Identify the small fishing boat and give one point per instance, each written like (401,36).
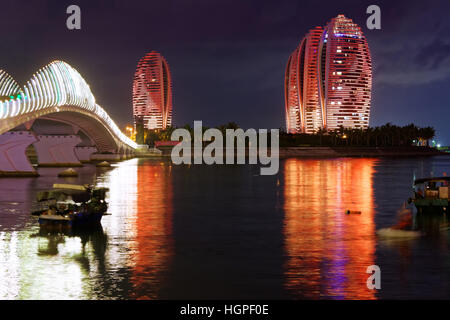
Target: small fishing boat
(70,206)
(431,195)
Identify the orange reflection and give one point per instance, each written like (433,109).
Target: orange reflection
(327,250)
(154,246)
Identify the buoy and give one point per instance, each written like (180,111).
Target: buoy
(68,173)
(104,164)
(352,212)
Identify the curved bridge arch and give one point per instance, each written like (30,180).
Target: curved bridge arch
(59,92)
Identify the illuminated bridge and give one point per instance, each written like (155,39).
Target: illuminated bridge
(57,92)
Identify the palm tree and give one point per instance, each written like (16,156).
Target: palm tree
(368,133)
(321,132)
(427,134)
(166,134)
(377,134)
(411,132)
(232,125)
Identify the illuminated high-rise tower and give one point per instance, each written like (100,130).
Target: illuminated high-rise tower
(301,85)
(152,92)
(345,75)
(328,79)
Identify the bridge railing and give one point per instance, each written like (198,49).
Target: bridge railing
(55,85)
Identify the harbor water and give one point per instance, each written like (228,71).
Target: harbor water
(226,232)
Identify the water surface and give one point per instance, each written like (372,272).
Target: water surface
(213,232)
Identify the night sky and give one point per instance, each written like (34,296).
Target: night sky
(228,57)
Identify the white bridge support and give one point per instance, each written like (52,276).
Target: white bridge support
(84,153)
(13,159)
(57,92)
(57,150)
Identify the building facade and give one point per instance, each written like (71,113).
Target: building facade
(328,79)
(152,92)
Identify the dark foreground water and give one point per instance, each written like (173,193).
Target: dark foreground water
(212,232)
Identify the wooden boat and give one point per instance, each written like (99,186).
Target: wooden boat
(80,219)
(431,195)
(70,206)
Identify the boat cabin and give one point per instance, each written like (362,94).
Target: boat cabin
(432,188)
(431,194)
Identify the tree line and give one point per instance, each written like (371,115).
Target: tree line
(388,135)
(150,136)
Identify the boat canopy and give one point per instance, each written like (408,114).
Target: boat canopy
(70,186)
(64,194)
(434,179)
(78,193)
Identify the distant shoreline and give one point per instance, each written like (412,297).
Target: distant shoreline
(359,152)
(342,151)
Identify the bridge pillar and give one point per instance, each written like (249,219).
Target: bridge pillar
(84,153)
(124,153)
(57,150)
(13,159)
(130,154)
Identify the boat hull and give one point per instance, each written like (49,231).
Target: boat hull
(89,220)
(432,206)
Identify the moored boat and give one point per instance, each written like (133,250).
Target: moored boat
(70,206)
(431,195)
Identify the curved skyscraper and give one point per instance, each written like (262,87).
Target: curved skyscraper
(301,86)
(152,92)
(328,79)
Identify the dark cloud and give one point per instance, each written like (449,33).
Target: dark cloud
(228,57)
(434,56)
(413,46)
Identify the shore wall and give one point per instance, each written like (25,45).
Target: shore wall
(149,153)
(337,152)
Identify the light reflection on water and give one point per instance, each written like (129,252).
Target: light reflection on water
(123,259)
(153,247)
(328,251)
(226,232)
